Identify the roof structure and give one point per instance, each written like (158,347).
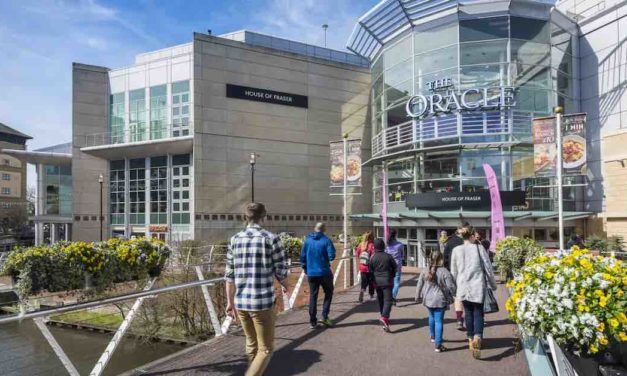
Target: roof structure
(58,155)
(390,18)
(455,214)
(14,132)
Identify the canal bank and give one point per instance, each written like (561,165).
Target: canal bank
(24,351)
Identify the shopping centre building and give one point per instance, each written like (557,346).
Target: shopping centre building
(435,90)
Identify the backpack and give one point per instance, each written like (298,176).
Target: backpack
(364,257)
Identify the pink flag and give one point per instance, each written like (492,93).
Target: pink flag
(498,222)
(384,207)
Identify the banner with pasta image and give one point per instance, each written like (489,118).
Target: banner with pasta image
(574,155)
(353,163)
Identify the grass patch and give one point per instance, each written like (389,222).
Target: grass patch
(100,319)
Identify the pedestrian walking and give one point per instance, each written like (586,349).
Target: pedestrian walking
(383,268)
(315,257)
(436,290)
(471,268)
(396,250)
(363,252)
(452,242)
(253,260)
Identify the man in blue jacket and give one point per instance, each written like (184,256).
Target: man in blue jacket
(316,256)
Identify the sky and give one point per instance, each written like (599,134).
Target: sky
(39,40)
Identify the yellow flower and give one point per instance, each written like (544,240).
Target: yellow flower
(548,275)
(586,264)
(598,293)
(593,349)
(614,323)
(622,317)
(622,336)
(603,341)
(601,327)
(603,301)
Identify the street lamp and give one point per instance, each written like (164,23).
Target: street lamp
(325,27)
(559,110)
(101,181)
(253,160)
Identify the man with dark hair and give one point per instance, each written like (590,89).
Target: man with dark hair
(395,249)
(315,257)
(253,259)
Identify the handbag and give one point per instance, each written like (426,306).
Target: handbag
(490,305)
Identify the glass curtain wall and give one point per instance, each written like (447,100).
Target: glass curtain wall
(158,112)
(180,108)
(159,190)
(58,190)
(137,115)
(181,182)
(117,183)
(116,118)
(533,55)
(137,191)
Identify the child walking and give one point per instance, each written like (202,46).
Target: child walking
(436,289)
(383,267)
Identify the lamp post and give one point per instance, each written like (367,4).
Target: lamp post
(558,110)
(253,161)
(325,27)
(100,218)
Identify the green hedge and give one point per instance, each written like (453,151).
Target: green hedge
(70,265)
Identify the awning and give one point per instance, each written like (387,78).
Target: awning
(469,215)
(35,157)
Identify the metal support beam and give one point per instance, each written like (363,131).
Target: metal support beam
(215,322)
(67,363)
(117,337)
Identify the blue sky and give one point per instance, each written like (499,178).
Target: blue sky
(39,40)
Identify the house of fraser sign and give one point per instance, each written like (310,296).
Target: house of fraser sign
(443,98)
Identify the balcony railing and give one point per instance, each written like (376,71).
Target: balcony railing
(513,126)
(139,133)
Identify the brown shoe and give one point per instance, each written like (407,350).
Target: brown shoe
(470,344)
(476,347)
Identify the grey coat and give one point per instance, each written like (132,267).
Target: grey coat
(430,292)
(468,266)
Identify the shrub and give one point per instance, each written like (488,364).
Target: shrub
(513,252)
(291,245)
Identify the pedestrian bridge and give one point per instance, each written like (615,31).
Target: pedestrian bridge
(357,345)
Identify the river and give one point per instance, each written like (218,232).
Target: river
(25,352)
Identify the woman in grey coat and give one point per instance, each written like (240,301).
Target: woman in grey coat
(471,268)
(436,289)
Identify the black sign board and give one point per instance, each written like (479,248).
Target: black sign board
(268,96)
(434,200)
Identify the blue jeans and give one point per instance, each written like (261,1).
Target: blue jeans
(436,322)
(397,283)
(474,319)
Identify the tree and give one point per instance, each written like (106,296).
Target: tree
(12,218)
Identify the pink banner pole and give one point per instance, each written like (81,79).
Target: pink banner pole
(498,222)
(384,206)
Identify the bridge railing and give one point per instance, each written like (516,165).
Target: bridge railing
(200,261)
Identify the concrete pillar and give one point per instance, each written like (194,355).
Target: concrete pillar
(53,233)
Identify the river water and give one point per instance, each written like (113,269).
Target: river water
(25,352)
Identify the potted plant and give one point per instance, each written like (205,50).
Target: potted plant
(512,253)
(576,298)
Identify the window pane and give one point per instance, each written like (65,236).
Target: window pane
(530,53)
(401,51)
(483,52)
(530,29)
(436,60)
(435,38)
(179,87)
(483,75)
(483,29)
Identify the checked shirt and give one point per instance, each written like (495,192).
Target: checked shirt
(254,258)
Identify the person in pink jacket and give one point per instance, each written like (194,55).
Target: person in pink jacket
(363,253)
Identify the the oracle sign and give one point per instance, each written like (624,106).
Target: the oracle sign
(419,106)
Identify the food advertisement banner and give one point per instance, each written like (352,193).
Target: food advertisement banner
(574,144)
(353,164)
(544,146)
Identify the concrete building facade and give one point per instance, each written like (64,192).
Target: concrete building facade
(173,144)
(12,172)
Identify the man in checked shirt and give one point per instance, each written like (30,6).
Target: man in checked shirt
(253,260)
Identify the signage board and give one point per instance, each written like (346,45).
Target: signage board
(574,154)
(353,165)
(267,96)
(158,228)
(544,146)
(475,200)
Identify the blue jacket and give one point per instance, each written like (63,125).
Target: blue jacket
(316,256)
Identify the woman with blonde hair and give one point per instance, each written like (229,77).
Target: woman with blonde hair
(363,253)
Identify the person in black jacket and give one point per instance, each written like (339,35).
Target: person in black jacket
(383,267)
(452,242)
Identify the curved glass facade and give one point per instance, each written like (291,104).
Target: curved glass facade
(445,152)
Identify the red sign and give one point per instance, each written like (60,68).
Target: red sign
(158,228)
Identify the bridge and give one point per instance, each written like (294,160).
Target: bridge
(357,345)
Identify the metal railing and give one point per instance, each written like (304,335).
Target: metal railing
(139,133)
(205,256)
(515,125)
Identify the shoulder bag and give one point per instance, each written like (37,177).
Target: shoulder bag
(490,305)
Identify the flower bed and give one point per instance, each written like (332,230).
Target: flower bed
(512,253)
(68,266)
(575,297)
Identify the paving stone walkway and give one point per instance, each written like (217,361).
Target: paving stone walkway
(356,345)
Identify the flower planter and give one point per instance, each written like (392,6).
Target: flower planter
(583,365)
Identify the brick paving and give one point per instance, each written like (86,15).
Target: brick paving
(356,345)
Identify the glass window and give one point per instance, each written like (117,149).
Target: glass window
(398,94)
(488,75)
(137,191)
(181,189)
(137,115)
(436,60)
(435,38)
(530,53)
(561,39)
(397,115)
(116,192)
(534,100)
(421,81)
(399,52)
(530,29)
(400,179)
(377,67)
(494,51)
(116,118)
(561,61)
(180,109)
(483,29)
(532,76)
(6,177)
(158,190)
(158,112)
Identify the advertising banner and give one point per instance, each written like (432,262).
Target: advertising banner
(498,222)
(544,146)
(466,200)
(353,165)
(574,144)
